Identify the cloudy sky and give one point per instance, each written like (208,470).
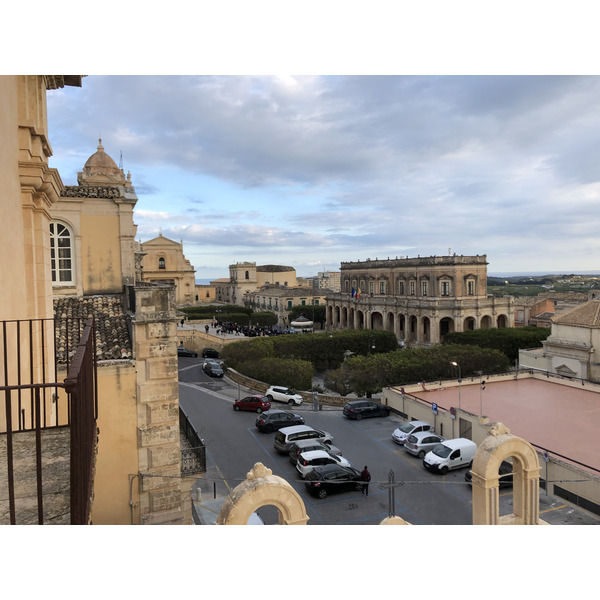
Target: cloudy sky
(313,170)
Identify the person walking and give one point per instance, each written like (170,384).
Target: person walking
(366,477)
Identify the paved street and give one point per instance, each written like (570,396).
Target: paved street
(234,445)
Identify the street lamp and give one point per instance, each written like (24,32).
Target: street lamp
(455,364)
(481,388)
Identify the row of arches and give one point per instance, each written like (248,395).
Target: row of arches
(413,328)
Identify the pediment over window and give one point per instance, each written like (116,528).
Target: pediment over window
(565,371)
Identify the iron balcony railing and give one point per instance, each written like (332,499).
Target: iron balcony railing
(34,400)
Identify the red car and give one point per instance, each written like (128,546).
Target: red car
(254,403)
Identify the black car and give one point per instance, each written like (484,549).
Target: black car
(181,351)
(210,353)
(274,420)
(331,479)
(361,409)
(213,369)
(505,471)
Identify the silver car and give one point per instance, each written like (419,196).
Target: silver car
(399,436)
(422,442)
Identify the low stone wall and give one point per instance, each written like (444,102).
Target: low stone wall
(261,388)
(196,340)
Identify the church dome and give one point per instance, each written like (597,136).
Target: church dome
(101,169)
(100,162)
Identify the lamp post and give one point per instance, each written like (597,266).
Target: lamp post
(455,364)
(481,388)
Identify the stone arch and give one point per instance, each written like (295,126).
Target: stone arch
(262,488)
(486,322)
(498,446)
(469,324)
(376,320)
(502,322)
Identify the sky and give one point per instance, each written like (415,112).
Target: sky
(311,171)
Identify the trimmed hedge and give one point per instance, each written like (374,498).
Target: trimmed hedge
(370,374)
(296,374)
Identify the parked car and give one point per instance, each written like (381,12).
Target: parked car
(422,442)
(505,471)
(181,351)
(307,445)
(360,409)
(210,353)
(256,403)
(401,433)
(213,369)
(276,419)
(283,394)
(307,461)
(450,454)
(331,479)
(288,435)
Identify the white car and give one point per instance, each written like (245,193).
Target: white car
(283,394)
(307,461)
(399,436)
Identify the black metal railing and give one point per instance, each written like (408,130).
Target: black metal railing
(193,459)
(35,401)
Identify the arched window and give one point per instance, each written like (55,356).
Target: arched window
(61,253)
(161,263)
(247,275)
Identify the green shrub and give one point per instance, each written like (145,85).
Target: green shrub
(296,374)
(507,340)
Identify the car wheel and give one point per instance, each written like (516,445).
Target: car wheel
(444,470)
(322,493)
(358,417)
(259,410)
(236,408)
(470,465)
(386,413)
(290,402)
(422,454)
(270,398)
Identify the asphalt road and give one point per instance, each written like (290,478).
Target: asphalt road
(234,445)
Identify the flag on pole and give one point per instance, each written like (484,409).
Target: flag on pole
(358,293)
(353,293)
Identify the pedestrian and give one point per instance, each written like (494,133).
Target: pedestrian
(206,328)
(366,477)
(182,322)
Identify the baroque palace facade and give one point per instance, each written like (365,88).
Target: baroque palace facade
(419,299)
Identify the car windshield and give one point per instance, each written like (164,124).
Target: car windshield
(407,428)
(442,451)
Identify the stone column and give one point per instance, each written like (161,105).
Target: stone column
(159,449)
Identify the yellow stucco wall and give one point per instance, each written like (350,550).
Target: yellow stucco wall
(101,254)
(117,446)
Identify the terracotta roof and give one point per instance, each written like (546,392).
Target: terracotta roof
(95,191)
(113,340)
(586,314)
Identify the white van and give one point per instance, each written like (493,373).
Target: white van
(451,454)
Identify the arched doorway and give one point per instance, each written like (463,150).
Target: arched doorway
(446,326)
(486,322)
(376,320)
(426,330)
(502,322)
(469,324)
(412,328)
(390,326)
